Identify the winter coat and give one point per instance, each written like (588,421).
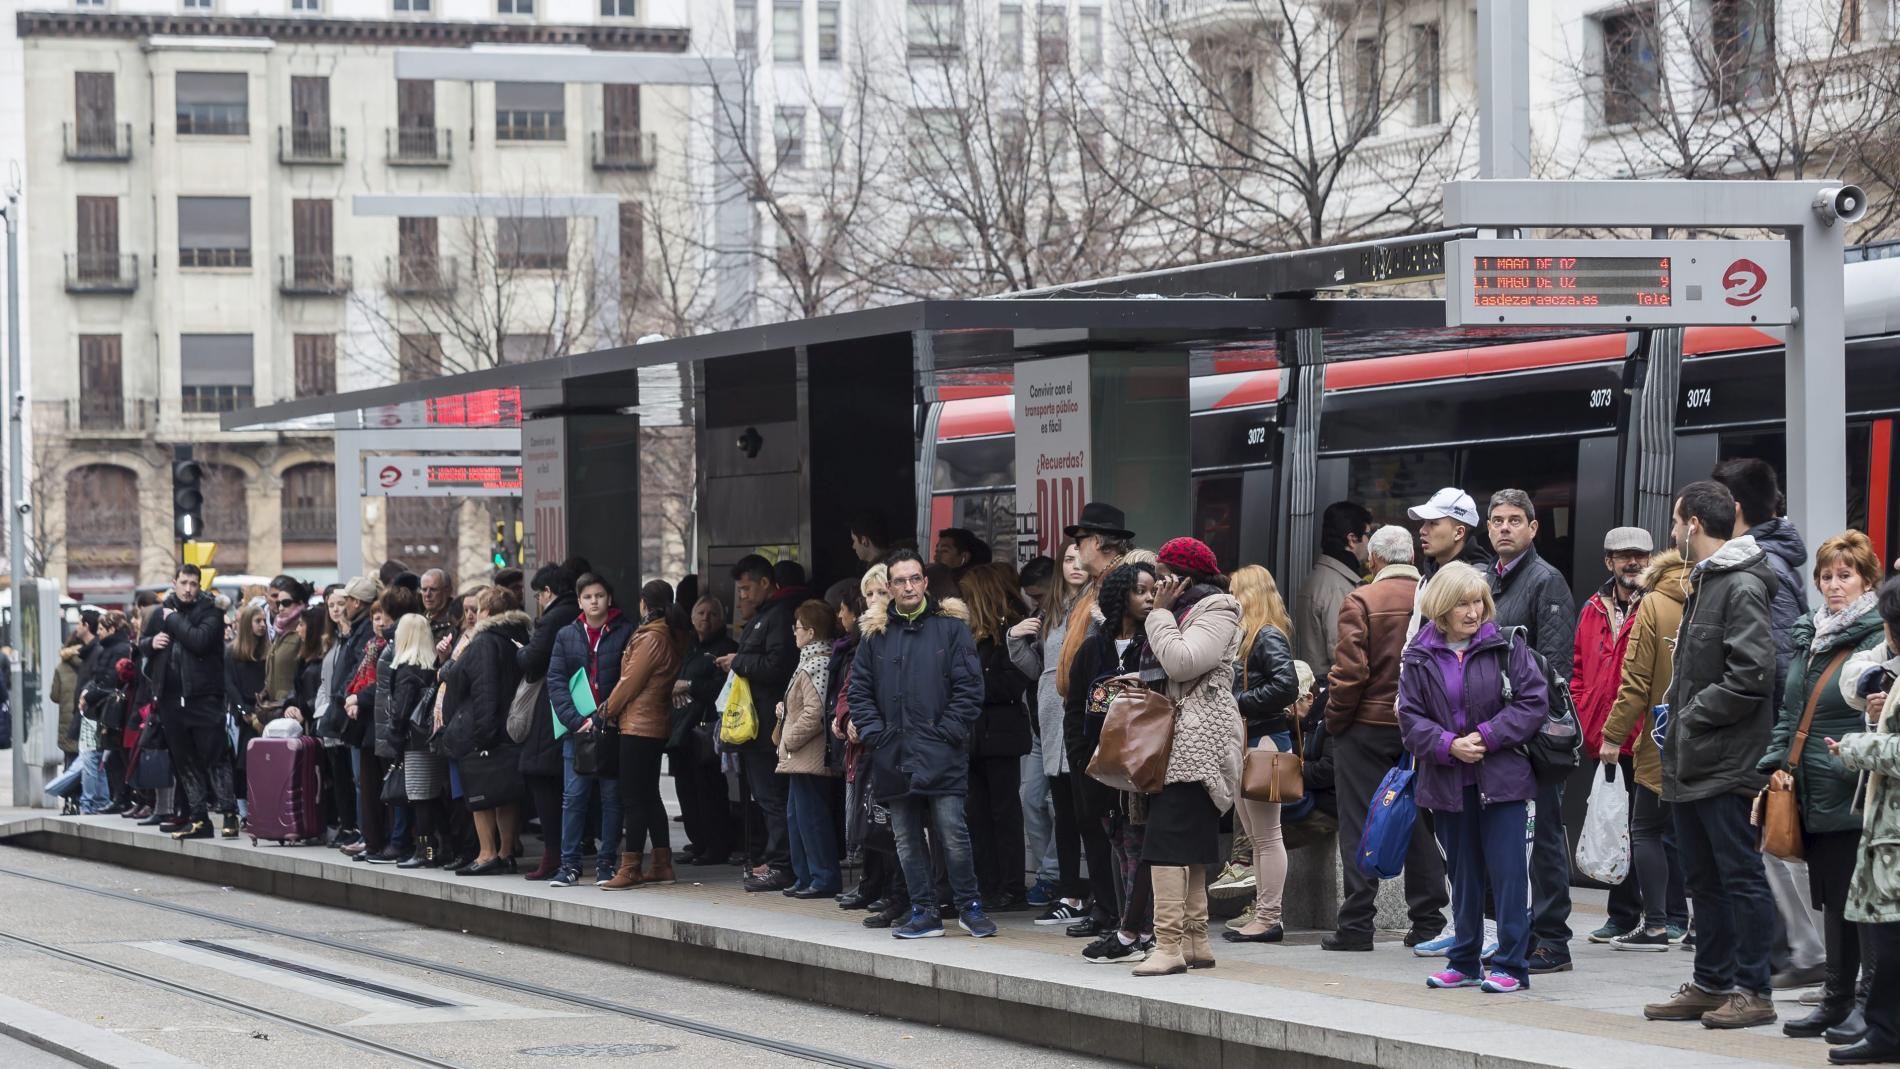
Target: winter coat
(600,658)
(303,696)
(1534,595)
(541,751)
(1374,624)
(1824,787)
(188,675)
(1095,657)
(1265,685)
(1647,666)
(1002,730)
(243,682)
(1721,702)
(1788,559)
(641,701)
(800,734)
(1316,613)
(704,679)
(766,656)
(348,653)
(1596,664)
(66,695)
(281,663)
(1036,658)
(379,704)
(411,683)
(916,691)
(476,694)
(1442,698)
(1197,652)
(99,668)
(1873,894)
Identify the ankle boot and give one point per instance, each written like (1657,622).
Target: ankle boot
(1170,895)
(628,875)
(1200,952)
(662,866)
(550,864)
(1837,1001)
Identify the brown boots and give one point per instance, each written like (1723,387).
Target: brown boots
(628,875)
(1170,894)
(662,866)
(1200,952)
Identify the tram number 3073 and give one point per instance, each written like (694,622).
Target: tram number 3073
(1602,398)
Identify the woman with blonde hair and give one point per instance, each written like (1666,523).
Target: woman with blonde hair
(412,717)
(1035,645)
(1265,687)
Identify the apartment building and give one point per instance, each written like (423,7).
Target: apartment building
(198,248)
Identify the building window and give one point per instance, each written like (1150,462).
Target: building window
(101,382)
(1742,49)
(831,133)
(934,28)
(1052,33)
(315,370)
(197,5)
(514,7)
(311,6)
(791,235)
(98,255)
(310,135)
(227,515)
(1425,72)
(309,503)
(788,131)
(530,111)
(935,135)
(829,36)
(1009,35)
(96,114)
(89,3)
(632,249)
(788,32)
(410,6)
(214,372)
(525,244)
(1089,26)
(419,358)
(1632,77)
(1365,84)
(523,348)
(214,231)
(619,9)
(102,510)
(745,26)
(213,103)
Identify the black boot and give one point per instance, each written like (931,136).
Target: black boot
(1837,1001)
(1851,1030)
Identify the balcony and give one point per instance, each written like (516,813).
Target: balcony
(325,145)
(98,142)
(100,413)
(102,272)
(418,146)
(303,523)
(213,257)
(625,150)
(420,276)
(313,276)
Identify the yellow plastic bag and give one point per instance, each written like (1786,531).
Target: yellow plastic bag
(738,721)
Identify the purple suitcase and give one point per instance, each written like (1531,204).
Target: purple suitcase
(283,789)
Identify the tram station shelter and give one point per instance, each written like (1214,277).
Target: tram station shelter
(802,424)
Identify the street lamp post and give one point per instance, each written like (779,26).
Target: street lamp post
(17,506)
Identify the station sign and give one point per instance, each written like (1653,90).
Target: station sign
(1586,282)
(482,408)
(386,475)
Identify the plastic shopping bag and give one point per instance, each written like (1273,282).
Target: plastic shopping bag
(737,723)
(1603,851)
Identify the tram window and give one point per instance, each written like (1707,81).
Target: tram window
(1545,470)
(1859,450)
(991,517)
(974,462)
(1387,484)
(1771,446)
(1217,517)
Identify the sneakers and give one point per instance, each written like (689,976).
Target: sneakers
(1059,912)
(1110,950)
(1042,893)
(1677,934)
(976,922)
(1610,933)
(1451,978)
(1234,881)
(1498,983)
(1641,939)
(1441,946)
(923,924)
(568,876)
(1689,1003)
(1542,960)
(230,830)
(1740,1010)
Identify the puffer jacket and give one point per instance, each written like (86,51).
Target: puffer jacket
(1442,698)
(1533,595)
(1873,894)
(916,690)
(1196,645)
(476,694)
(1721,701)
(1373,631)
(599,657)
(642,700)
(541,751)
(1824,787)
(1788,559)
(801,733)
(1596,664)
(1647,667)
(1265,685)
(188,675)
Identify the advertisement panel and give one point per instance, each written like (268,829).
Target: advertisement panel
(1052,449)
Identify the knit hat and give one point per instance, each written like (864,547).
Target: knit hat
(362,588)
(1189,555)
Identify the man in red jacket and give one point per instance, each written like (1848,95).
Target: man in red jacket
(1603,631)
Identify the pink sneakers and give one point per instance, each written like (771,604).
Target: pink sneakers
(1451,978)
(1499,983)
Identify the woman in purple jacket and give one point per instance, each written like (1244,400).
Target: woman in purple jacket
(1472,769)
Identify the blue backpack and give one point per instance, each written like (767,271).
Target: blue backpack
(1388,832)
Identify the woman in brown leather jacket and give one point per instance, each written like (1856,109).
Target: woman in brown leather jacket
(640,705)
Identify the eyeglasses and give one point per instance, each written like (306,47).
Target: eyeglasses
(907,581)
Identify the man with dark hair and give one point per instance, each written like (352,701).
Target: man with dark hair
(960,550)
(184,661)
(789,575)
(390,570)
(870,537)
(1447,531)
(1718,720)
(916,690)
(511,580)
(1343,530)
(1757,495)
(766,656)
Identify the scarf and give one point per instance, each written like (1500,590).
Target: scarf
(1828,624)
(814,660)
(285,620)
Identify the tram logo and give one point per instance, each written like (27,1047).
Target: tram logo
(1743,282)
(389,476)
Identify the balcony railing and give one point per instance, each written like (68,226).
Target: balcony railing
(313,276)
(311,144)
(530,125)
(189,257)
(309,524)
(102,272)
(625,150)
(419,146)
(98,142)
(420,276)
(99,411)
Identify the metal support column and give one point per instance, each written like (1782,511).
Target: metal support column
(1504,85)
(1654,424)
(17,506)
(349,495)
(1303,354)
(1816,375)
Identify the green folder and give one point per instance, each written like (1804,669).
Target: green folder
(582,692)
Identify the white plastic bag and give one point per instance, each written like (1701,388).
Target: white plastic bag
(1603,851)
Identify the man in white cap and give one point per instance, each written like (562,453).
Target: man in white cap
(1448,527)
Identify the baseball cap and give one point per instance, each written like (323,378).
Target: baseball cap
(1628,540)
(1449,503)
(362,588)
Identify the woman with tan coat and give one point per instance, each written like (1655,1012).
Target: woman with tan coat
(800,736)
(640,705)
(1647,672)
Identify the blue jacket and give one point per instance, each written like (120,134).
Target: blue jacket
(602,663)
(1441,699)
(916,690)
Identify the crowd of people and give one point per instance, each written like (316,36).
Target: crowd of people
(941,727)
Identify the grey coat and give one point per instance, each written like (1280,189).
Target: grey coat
(1316,613)
(1036,658)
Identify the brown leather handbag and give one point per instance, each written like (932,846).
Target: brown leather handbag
(1777,808)
(1273,775)
(1136,738)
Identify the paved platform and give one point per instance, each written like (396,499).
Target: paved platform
(1289,1005)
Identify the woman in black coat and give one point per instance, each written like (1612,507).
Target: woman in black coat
(541,766)
(994,807)
(475,699)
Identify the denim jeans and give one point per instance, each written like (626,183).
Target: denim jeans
(1039,816)
(577,794)
(94,794)
(1550,874)
(813,834)
(1734,911)
(913,853)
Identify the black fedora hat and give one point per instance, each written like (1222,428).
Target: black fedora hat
(1100,518)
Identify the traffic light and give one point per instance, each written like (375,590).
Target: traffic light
(188,499)
(500,555)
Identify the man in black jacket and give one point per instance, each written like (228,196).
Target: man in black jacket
(1533,595)
(185,661)
(1720,715)
(765,659)
(541,766)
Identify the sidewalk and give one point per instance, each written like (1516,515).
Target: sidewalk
(1285,1005)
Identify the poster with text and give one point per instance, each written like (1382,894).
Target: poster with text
(1052,447)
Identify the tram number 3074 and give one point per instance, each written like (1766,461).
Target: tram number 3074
(1700,397)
